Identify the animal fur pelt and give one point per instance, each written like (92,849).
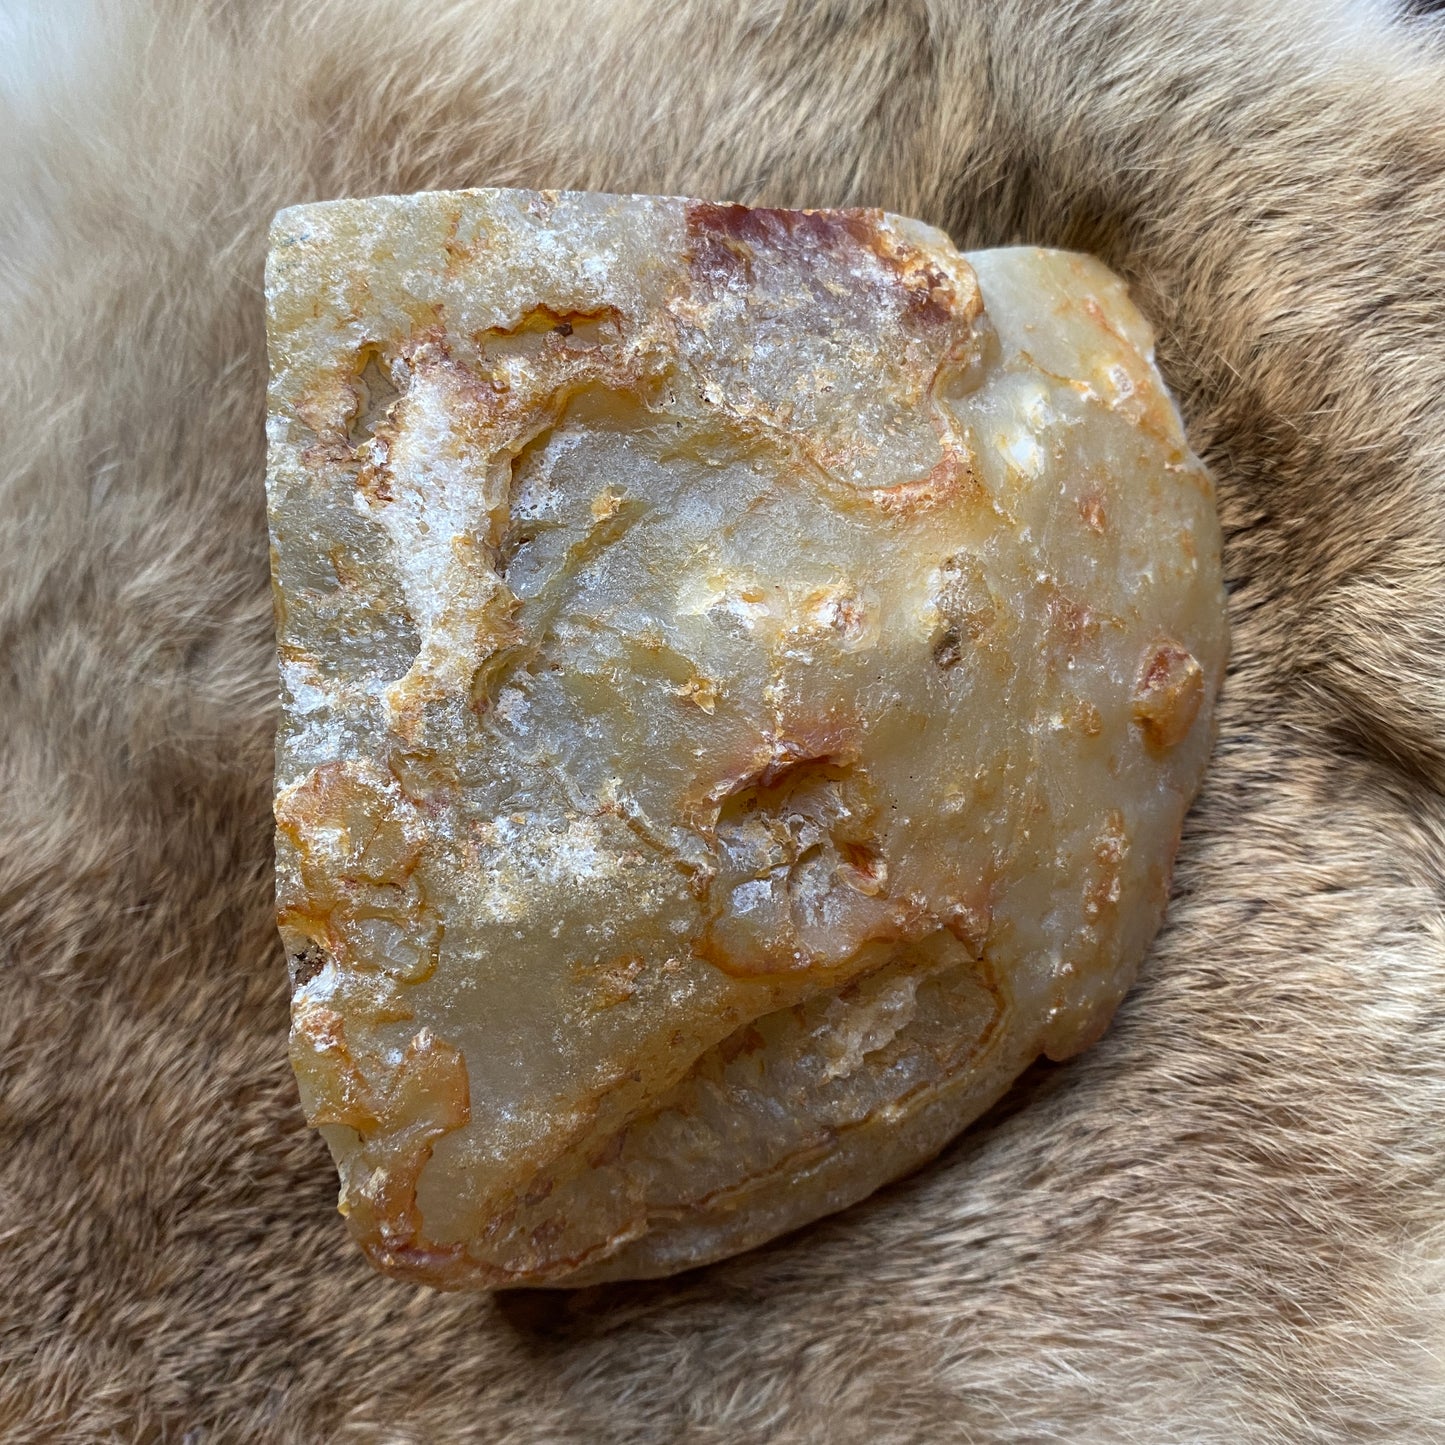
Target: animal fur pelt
(1224,1223)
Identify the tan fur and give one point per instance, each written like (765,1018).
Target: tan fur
(1224,1223)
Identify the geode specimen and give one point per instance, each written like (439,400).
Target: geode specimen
(744,672)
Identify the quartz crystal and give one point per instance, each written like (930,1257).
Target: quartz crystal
(743,675)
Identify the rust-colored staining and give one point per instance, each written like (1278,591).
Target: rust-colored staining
(616,982)
(801,882)
(509,646)
(866,871)
(538,1191)
(1083,717)
(817,744)
(577,329)
(739,1043)
(338,1092)
(443,1266)
(349,822)
(1092,513)
(725,239)
(611,1150)
(1168,694)
(718,257)
(489,422)
(356,841)
(374,484)
(1105,883)
(951,478)
(970,922)
(1072,624)
(348,574)
(728,241)
(412,1104)
(326,406)
(606,504)
(933,297)
(330,453)
(457,254)
(1096,313)
(839,613)
(544,1235)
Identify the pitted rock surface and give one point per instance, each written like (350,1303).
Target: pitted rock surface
(744,672)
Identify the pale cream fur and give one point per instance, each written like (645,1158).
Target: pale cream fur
(1224,1223)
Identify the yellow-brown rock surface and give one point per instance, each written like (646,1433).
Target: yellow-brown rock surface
(744,672)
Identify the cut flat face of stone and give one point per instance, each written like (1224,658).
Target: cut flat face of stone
(743,671)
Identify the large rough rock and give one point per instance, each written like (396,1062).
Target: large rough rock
(744,673)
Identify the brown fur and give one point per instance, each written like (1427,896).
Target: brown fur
(1224,1223)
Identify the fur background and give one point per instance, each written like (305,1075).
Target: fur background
(1224,1223)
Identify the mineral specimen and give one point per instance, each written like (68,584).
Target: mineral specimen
(744,672)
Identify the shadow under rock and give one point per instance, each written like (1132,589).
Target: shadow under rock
(549,1320)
